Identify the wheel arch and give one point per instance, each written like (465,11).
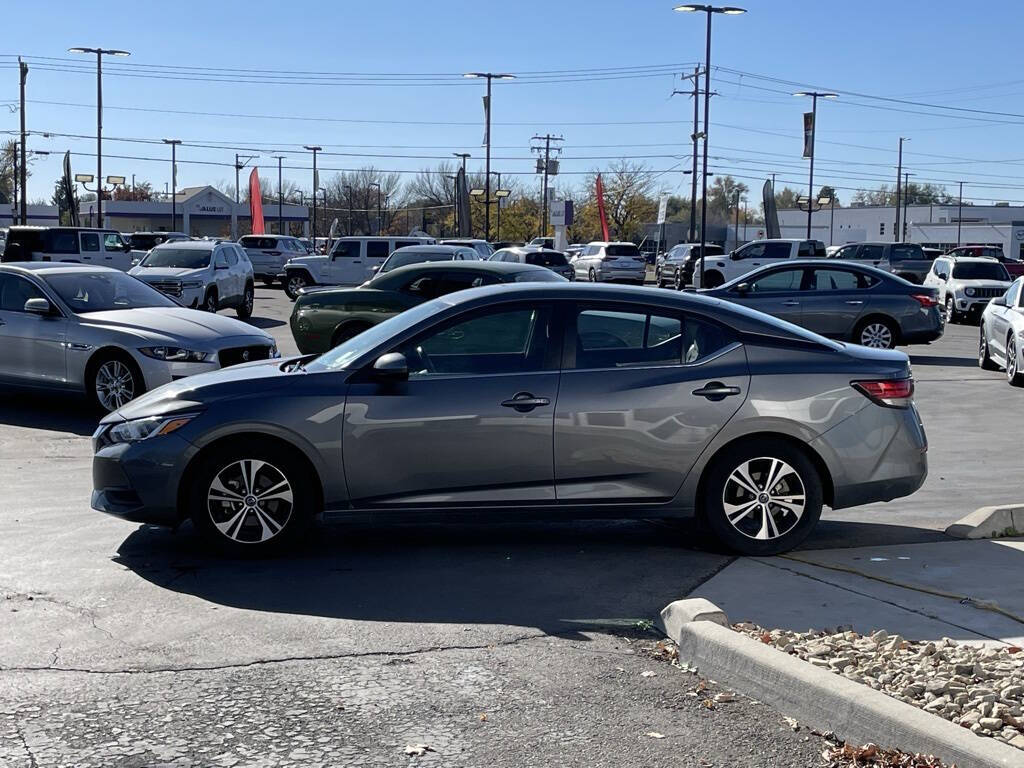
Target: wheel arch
(304,271)
(876,315)
(104,353)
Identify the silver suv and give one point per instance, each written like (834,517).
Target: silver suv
(268,253)
(203,274)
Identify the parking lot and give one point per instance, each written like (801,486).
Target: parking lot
(472,639)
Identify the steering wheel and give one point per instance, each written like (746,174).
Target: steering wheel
(425,361)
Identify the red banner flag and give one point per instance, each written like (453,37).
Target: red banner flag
(600,209)
(256,203)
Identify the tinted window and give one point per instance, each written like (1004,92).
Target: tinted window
(980,270)
(871,252)
(15,291)
(231,256)
(113,242)
(177,258)
(377,249)
(507,341)
(782,280)
(614,339)
(90,241)
(404,243)
(220,258)
(61,241)
(98,291)
(346,249)
(805,250)
(841,280)
(906,251)
(546,258)
(623,250)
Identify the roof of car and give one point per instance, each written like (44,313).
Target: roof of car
(979,259)
(611,242)
(191,245)
(529,249)
(456,240)
(427,248)
(53,267)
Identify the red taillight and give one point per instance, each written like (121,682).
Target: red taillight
(892,393)
(925,300)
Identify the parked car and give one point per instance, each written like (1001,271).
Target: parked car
(350,262)
(721,269)
(932,253)
(323,318)
(842,301)
(482,247)
(306,243)
(418,254)
(906,260)
(603,262)
(1013,267)
(203,274)
(268,254)
(543,242)
(966,284)
(78,245)
(143,242)
(573,250)
(98,330)
(676,270)
(488,404)
(1001,334)
(499,244)
(540,257)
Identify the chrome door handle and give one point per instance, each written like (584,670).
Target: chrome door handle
(853,301)
(791,303)
(525,402)
(716,390)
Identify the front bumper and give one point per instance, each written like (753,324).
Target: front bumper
(139,481)
(971,305)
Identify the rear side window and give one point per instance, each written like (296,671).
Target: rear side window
(841,280)
(871,252)
(777,250)
(404,243)
(625,339)
(61,242)
(905,252)
(377,249)
(782,280)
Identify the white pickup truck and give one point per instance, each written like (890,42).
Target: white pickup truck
(748,257)
(350,262)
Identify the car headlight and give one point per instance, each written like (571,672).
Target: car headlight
(192,284)
(970,291)
(174,354)
(151,426)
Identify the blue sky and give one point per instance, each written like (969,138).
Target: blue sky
(935,53)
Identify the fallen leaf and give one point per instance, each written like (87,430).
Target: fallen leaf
(724,696)
(483,717)
(648,673)
(418,750)
(655,735)
(791,721)
(708,704)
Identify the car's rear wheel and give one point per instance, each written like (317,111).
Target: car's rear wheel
(113,381)
(1013,372)
(210,301)
(294,283)
(876,333)
(251,499)
(592,275)
(677,283)
(984,359)
(762,498)
(952,316)
(244,310)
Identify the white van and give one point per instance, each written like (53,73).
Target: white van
(78,245)
(352,261)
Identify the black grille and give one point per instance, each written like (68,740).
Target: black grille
(989,293)
(237,355)
(168,287)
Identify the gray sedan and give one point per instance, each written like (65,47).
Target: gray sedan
(97,329)
(845,301)
(557,400)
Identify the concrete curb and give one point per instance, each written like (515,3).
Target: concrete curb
(990,523)
(821,699)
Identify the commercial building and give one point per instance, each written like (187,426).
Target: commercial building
(200,211)
(933,226)
(38,215)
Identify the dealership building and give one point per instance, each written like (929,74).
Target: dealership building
(37,215)
(933,226)
(200,211)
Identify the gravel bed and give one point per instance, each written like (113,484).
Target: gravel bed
(981,688)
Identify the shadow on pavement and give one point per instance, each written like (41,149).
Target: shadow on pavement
(956,362)
(843,534)
(54,411)
(554,577)
(265,322)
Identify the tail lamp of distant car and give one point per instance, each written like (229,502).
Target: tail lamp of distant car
(889,393)
(925,300)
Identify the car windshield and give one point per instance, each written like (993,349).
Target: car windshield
(401,259)
(623,250)
(177,258)
(980,270)
(92,291)
(546,258)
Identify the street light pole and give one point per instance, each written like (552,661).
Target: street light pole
(708,9)
(174,182)
(814,127)
(23,72)
(906,200)
(899,178)
(959,213)
(314,149)
(99,117)
(280,196)
(487,138)
(348,194)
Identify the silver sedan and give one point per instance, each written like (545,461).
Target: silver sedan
(1002,334)
(110,335)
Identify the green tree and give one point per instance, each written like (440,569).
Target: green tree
(722,198)
(58,199)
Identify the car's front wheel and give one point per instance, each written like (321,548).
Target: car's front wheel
(114,381)
(293,283)
(592,275)
(762,498)
(984,359)
(713,280)
(1013,372)
(952,315)
(210,301)
(251,499)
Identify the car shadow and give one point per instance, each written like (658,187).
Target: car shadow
(53,411)
(556,577)
(957,362)
(265,322)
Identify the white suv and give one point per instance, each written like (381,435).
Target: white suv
(747,258)
(967,284)
(602,262)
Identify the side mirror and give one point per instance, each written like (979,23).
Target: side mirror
(39,306)
(391,367)
(942,275)
(999,301)
(733,256)
(742,289)
(375,269)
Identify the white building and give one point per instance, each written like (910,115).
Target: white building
(930,225)
(200,211)
(38,215)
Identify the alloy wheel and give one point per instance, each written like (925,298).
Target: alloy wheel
(764,498)
(247,302)
(876,336)
(115,384)
(250,501)
(1011,360)
(210,303)
(950,311)
(295,284)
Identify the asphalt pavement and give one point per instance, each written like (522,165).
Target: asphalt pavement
(125,645)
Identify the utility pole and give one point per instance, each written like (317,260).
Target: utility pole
(906,199)
(23,70)
(547,139)
(348,194)
(959,213)
(280,196)
(695,137)
(316,181)
(174,182)
(736,226)
(899,179)
(15,181)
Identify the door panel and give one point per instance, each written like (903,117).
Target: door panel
(33,346)
(345,264)
(833,301)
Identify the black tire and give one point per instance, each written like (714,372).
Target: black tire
(106,368)
(211,303)
(657,279)
(592,275)
(985,361)
(876,333)
(346,331)
(293,283)
(249,527)
(244,310)
(1013,373)
(677,283)
(953,317)
(791,529)
(712,280)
